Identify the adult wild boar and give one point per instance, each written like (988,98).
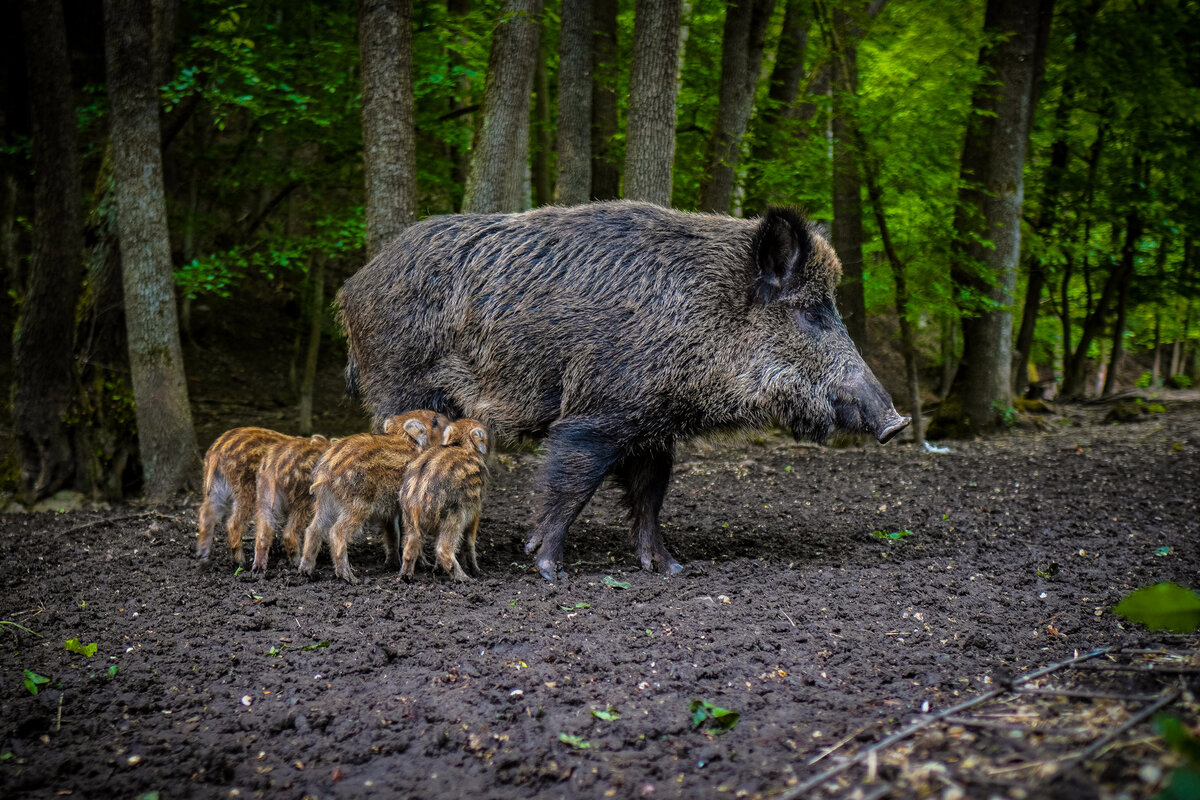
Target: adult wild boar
(613,330)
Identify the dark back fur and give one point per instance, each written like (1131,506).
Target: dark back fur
(665,322)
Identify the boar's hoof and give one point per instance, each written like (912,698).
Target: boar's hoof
(202,553)
(549,570)
(392,563)
(535,541)
(305,568)
(662,563)
(259,569)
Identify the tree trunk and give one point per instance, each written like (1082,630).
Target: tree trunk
(741,54)
(989,210)
(606,172)
(42,355)
(1156,367)
(847,191)
(388,116)
(166,438)
(496,179)
(543,193)
(900,272)
(458,156)
(316,313)
(575,104)
(13,274)
(770,126)
(949,358)
(650,138)
(1118,339)
(1181,332)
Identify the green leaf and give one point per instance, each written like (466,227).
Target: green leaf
(1164,606)
(608,714)
(893,535)
(1162,551)
(325,643)
(74,646)
(112,670)
(238,571)
(33,681)
(613,583)
(578,742)
(1178,737)
(1050,571)
(575,607)
(1182,784)
(724,719)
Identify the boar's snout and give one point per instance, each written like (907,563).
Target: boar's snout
(864,406)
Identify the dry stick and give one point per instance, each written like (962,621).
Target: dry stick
(114,520)
(904,733)
(58,724)
(837,746)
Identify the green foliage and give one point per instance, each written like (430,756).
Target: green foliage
(722,719)
(74,646)
(1163,606)
(1050,571)
(1184,782)
(1007,415)
(578,742)
(613,583)
(892,535)
(33,681)
(278,650)
(608,714)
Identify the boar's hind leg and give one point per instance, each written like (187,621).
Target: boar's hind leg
(213,510)
(579,456)
(644,477)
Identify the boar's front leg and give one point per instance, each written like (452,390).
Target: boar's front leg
(580,453)
(645,476)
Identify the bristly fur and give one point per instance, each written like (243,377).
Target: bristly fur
(612,330)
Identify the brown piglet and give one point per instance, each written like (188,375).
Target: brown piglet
(442,496)
(358,480)
(230,473)
(284,481)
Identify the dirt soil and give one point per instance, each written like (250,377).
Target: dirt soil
(790,612)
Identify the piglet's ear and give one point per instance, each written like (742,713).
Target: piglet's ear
(446,434)
(417,430)
(481,442)
(781,247)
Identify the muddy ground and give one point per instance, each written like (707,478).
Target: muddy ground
(210,684)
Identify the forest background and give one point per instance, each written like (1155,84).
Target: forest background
(1011,185)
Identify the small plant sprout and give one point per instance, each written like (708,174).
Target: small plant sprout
(575,607)
(613,583)
(1050,571)
(894,536)
(74,646)
(33,681)
(578,742)
(608,714)
(722,719)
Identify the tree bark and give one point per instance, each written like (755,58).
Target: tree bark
(458,156)
(42,355)
(543,194)
(166,438)
(989,209)
(496,178)
(606,172)
(388,118)
(847,239)
(770,126)
(316,312)
(741,55)
(650,138)
(575,104)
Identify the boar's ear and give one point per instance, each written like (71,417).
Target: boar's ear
(780,248)
(447,433)
(481,442)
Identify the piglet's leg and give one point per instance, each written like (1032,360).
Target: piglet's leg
(645,477)
(580,453)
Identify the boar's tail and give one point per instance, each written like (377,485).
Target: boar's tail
(353,391)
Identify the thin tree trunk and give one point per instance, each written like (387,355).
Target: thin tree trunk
(42,355)
(770,126)
(458,157)
(1118,339)
(606,172)
(316,312)
(166,438)
(989,209)
(1181,333)
(1066,320)
(650,138)
(575,104)
(847,231)
(900,273)
(388,117)
(741,54)
(13,274)
(949,360)
(543,194)
(496,180)
(1156,367)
